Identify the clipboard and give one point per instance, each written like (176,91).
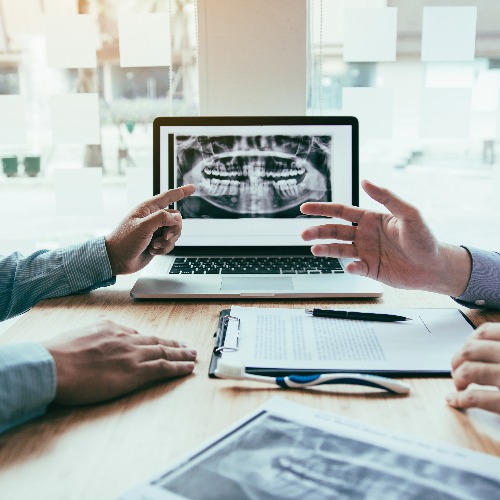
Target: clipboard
(228,315)
(219,347)
(220,337)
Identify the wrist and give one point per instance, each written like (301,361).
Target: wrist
(452,274)
(113,262)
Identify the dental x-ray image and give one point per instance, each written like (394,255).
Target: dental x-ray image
(253,176)
(270,457)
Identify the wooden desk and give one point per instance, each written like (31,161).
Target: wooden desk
(100,451)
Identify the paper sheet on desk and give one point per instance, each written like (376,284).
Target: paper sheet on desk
(290,339)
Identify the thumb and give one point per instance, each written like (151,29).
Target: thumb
(358,267)
(396,205)
(159,219)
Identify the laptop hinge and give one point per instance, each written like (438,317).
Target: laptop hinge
(244,250)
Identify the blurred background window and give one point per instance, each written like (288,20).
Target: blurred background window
(32,148)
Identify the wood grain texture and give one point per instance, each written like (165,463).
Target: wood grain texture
(100,451)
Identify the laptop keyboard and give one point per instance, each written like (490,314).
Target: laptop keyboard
(256,265)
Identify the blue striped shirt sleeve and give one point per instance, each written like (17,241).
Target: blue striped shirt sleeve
(27,383)
(27,370)
(24,281)
(483,289)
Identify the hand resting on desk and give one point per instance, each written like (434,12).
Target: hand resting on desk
(106,360)
(478,362)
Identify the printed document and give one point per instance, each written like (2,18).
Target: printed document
(286,339)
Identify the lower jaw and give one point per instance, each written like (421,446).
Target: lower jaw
(257,202)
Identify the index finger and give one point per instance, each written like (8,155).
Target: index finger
(346,212)
(487,331)
(396,205)
(171,196)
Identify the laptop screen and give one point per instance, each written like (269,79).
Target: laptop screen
(252,174)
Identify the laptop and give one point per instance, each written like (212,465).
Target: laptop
(241,229)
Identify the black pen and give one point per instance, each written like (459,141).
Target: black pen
(361,316)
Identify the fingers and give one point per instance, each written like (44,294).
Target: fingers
(166,198)
(335,250)
(163,250)
(153,348)
(153,340)
(482,344)
(160,359)
(161,369)
(487,351)
(171,222)
(162,218)
(478,362)
(396,205)
(346,212)
(487,331)
(152,353)
(478,373)
(330,231)
(166,242)
(358,267)
(487,400)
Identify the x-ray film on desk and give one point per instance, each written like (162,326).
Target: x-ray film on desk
(242,226)
(290,451)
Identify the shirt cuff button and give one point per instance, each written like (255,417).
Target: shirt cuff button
(480,302)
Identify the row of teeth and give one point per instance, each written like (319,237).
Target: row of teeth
(287,188)
(253,171)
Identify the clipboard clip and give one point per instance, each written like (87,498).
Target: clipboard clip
(228,348)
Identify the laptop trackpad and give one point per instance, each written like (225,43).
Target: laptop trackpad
(244,284)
